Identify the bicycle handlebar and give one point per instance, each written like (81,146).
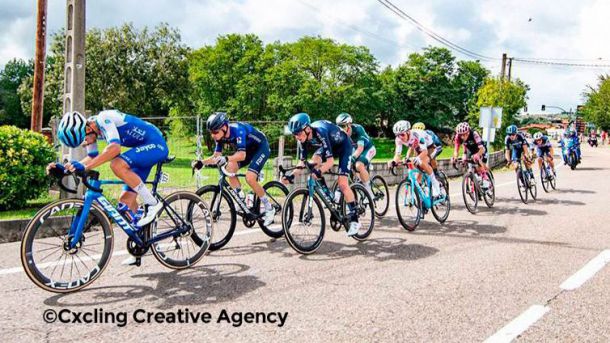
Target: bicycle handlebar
(60,173)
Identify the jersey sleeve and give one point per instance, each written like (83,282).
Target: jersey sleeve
(218,147)
(477,138)
(360,138)
(325,148)
(108,128)
(92,149)
(398,145)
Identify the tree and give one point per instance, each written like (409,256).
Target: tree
(11,77)
(469,78)
(495,92)
(597,105)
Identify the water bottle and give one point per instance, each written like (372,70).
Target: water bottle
(250,200)
(125,212)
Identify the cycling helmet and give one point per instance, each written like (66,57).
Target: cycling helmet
(419,126)
(537,135)
(401,126)
(71,130)
(298,122)
(511,130)
(216,121)
(462,128)
(343,119)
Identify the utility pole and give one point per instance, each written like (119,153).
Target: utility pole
(39,67)
(510,67)
(503,65)
(74,69)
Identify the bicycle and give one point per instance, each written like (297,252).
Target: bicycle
(317,193)
(80,231)
(473,189)
(379,187)
(224,210)
(548,178)
(439,174)
(416,197)
(526,183)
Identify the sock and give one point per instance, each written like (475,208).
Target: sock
(266,202)
(367,185)
(145,194)
(351,207)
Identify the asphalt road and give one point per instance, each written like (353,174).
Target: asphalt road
(462,281)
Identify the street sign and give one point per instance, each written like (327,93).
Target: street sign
(489,135)
(497,117)
(486,117)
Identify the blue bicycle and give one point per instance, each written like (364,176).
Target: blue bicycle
(414,199)
(68,243)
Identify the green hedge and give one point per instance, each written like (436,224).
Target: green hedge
(23,157)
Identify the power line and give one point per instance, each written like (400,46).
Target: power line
(564,64)
(399,12)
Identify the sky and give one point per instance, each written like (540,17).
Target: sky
(562,30)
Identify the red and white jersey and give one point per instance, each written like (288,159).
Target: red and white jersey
(418,141)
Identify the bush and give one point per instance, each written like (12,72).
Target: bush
(23,157)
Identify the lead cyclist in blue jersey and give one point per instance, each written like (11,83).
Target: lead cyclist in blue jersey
(133,166)
(328,141)
(251,148)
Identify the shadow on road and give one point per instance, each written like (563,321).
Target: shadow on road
(579,191)
(560,202)
(379,249)
(450,226)
(208,284)
(591,168)
(500,209)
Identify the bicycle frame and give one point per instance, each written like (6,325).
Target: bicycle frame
(315,187)
(78,224)
(225,187)
(427,200)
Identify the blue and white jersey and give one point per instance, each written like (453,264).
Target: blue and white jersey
(124,129)
(327,139)
(545,142)
(242,137)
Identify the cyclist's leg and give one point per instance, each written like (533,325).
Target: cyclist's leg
(549,158)
(256,164)
(233,167)
(362,164)
(541,154)
(345,156)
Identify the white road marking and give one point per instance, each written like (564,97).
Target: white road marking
(586,272)
(516,327)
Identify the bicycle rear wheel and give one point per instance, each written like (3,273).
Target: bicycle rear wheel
(187,212)
(408,205)
(303,221)
(381,195)
(366,211)
(45,256)
(469,193)
(224,219)
(441,210)
(276,193)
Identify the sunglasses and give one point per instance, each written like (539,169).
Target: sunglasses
(215,132)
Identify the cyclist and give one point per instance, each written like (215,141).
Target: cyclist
(435,148)
(328,142)
(365,150)
(133,166)
(570,135)
(251,148)
(516,148)
(473,148)
(419,142)
(544,149)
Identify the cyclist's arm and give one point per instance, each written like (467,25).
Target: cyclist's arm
(359,149)
(212,159)
(397,150)
(456,147)
(111,151)
(240,154)
(325,166)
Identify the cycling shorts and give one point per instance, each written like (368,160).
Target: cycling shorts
(141,159)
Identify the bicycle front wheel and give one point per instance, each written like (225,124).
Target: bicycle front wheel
(188,217)
(45,254)
(303,221)
(381,195)
(224,216)
(469,193)
(545,179)
(522,186)
(489,194)
(408,205)
(440,210)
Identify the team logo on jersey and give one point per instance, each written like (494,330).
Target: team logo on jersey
(136,133)
(336,136)
(238,140)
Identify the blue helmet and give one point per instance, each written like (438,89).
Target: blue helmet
(298,122)
(216,121)
(71,130)
(511,130)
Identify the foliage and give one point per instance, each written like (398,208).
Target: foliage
(23,157)
(13,74)
(597,105)
(495,92)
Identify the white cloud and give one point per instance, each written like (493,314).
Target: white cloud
(558,29)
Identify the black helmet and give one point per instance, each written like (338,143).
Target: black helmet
(216,120)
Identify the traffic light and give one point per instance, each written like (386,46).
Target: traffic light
(543,108)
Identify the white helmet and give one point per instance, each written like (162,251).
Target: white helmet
(462,128)
(343,119)
(537,135)
(401,126)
